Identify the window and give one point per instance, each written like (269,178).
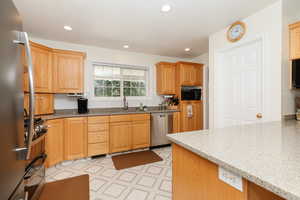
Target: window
(118,81)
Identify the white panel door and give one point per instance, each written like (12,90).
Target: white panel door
(239,85)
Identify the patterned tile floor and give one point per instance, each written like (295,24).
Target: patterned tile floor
(146,182)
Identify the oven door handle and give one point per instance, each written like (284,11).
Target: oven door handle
(24,40)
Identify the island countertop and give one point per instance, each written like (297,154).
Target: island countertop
(267,154)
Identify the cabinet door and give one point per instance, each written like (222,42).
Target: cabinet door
(75,138)
(55,142)
(186,121)
(42,68)
(140,134)
(43,103)
(198,75)
(197,116)
(186,74)
(120,136)
(295,42)
(165,78)
(68,71)
(176,122)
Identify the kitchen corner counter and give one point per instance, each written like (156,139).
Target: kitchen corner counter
(267,154)
(67,113)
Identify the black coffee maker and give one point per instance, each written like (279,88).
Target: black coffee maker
(82,105)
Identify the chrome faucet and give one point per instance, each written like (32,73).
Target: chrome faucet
(125,103)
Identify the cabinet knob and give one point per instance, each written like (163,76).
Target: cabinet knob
(259,116)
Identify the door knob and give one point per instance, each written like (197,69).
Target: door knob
(259,116)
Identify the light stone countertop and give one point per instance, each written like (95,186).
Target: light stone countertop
(67,113)
(267,154)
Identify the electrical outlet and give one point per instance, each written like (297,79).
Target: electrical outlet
(231,179)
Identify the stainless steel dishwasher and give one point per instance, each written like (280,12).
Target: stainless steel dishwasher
(161,125)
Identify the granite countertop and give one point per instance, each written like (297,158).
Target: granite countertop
(104,112)
(267,154)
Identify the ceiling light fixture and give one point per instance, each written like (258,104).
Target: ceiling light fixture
(187,49)
(68,28)
(166,8)
(126,46)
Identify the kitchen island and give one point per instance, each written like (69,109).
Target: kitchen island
(261,162)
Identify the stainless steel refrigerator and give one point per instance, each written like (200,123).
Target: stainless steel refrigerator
(15,141)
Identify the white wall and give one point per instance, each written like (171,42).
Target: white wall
(291,14)
(96,54)
(266,23)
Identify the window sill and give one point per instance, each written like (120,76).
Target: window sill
(115,99)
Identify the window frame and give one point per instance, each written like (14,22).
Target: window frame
(124,66)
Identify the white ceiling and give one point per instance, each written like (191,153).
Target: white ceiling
(139,23)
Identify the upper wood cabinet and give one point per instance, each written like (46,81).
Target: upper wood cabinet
(165,78)
(44,103)
(191,121)
(75,138)
(55,142)
(189,74)
(68,71)
(295,41)
(42,68)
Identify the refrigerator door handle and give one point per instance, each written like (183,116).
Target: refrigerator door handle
(24,40)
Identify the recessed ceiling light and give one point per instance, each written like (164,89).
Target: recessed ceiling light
(166,8)
(68,28)
(187,49)
(126,46)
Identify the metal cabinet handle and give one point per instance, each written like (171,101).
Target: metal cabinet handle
(24,40)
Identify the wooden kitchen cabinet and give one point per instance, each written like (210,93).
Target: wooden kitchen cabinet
(195,121)
(295,41)
(68,71)
(128,132)
(165,78)
(55,142)
(176,122)
(75,135)
(42,68)
(44,103)
(140,134)
(189,74)
(98,135)
(120,136)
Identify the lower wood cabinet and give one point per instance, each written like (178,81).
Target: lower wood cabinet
(75,138)
(80,137)
(55,142)
(140,134)
(120,136)
(128,132)
(191,120)
(98,135)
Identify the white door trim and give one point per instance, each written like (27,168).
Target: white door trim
(215,64)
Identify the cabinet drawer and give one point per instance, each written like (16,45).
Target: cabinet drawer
(99,136)
(140,117)
(120,118)
(98,120)
(98,127)
(97,149)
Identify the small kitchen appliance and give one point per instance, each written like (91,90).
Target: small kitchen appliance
(82,105)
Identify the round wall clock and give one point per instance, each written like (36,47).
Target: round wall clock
(236,31)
